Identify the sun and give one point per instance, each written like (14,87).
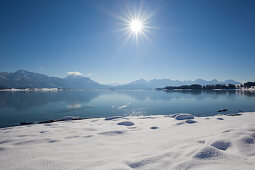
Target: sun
(136,26)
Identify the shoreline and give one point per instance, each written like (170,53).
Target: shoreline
(178,141)
(156,89)
(69,118)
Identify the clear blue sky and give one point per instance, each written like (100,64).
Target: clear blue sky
(190,39)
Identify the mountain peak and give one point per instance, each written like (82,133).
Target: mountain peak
(74,76)
(140,81)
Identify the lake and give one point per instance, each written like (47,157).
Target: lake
(16,107)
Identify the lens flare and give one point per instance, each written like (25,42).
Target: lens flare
(136,26)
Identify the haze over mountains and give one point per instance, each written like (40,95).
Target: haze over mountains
(26,79)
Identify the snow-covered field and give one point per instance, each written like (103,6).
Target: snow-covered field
(149,142)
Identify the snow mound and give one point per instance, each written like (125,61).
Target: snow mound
(117,132)
(126,123)
(247,140)
(208,153)
(113,117)
(36,141)
(5,141)
(2,149)
(246,145)
(184,116)
(221,144)
(190,121)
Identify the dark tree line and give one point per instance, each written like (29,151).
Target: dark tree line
(199,87)
(249,84)
(210,87)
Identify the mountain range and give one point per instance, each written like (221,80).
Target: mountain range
(160,83)
(26,79)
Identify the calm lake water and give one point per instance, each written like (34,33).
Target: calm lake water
(16,107)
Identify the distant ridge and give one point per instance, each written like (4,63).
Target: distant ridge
(160,83)
(27,79)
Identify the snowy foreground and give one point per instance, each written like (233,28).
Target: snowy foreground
(152,142)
